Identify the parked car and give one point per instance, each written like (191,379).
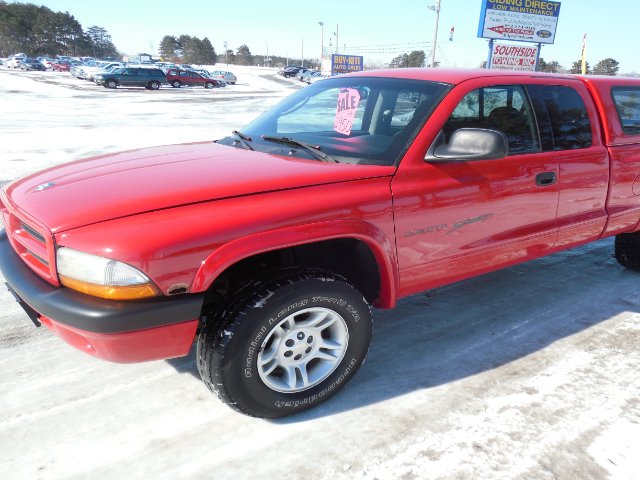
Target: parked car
(32,64)
(47,62)
(178,78)
(428,177)
(301,73)
(316,77)
(309,74)
(89,72)
(14,61)
(228,77)
(149,78)
(290,71)
(61,66)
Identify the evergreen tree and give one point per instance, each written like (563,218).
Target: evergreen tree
(551,67)
(406,60)
(101,43)
(243,55)
(168,47)
(38,30)
(608,66)
(209,56)
(576,67)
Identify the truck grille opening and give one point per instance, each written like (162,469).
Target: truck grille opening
(33,243)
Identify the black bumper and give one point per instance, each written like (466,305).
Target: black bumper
(88,313)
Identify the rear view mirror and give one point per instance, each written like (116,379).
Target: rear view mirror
(468,144)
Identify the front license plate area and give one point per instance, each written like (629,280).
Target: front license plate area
(33,315)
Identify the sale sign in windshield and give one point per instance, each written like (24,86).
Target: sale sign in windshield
(348,100)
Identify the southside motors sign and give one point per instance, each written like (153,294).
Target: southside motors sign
(521,20)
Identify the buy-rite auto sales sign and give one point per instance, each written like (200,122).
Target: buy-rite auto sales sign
(519,20)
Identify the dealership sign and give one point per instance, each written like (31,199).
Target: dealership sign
(514,57)
(521,20)
(345,63)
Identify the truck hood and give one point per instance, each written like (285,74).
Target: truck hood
(118,185)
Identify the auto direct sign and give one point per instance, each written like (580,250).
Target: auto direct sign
(345,64)
(521,20)
(514,57)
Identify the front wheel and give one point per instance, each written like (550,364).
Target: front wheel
(176,84)
(154,85)
(208,85)
(111,84)
(285,345)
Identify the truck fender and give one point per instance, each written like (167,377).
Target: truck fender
(382,248)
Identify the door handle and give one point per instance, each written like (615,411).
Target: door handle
(545,179)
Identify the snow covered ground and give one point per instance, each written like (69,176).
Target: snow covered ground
(528,373)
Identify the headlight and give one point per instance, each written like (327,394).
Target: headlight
(102,277)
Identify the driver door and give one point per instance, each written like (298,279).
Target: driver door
(458,218)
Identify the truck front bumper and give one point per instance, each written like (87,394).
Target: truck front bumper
(125,332)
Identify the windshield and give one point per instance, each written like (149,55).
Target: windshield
(352,119)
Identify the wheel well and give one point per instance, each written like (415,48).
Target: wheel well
(348,257)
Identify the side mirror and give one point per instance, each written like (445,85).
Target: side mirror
(469,144)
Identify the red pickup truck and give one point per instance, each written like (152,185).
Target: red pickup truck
(269,246)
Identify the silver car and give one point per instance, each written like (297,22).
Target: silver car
(224,75)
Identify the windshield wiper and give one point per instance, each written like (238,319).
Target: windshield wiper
(312,149)
(244,140)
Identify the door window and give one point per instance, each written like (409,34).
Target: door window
(504,108)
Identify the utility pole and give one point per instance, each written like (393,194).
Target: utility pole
(435,8)
(321,40)
(302,54)
(226,53)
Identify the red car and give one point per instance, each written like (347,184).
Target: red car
(61,66)
(268,247)
(178,78)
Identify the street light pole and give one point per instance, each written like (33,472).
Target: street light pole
(436,8)
(321,40)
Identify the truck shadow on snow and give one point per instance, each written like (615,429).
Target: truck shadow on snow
(478,325)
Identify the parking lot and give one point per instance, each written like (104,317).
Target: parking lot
(526,373)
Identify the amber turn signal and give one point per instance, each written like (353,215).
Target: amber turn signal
(111,292)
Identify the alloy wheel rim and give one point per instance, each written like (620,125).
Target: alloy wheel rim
(303,350)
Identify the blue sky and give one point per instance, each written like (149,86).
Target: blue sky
(381,29)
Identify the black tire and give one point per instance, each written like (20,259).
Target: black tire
(236,336)
(176,84)
(627,250)
(111,83)
(209,85)
(154,85)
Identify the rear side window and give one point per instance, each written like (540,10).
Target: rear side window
(562,115)
(627,101)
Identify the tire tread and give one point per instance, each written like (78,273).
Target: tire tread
(220,325)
